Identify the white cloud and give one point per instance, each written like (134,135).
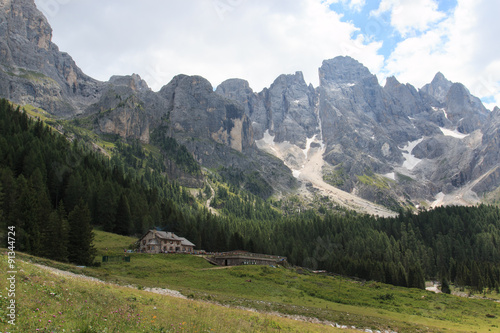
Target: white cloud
(354,5)
(410,16)
(463,47)
(258,40)
(255,40)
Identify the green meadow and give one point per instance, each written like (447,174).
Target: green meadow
(48,302)
(294,292)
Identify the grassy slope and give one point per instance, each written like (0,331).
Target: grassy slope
(336,299)
(47,302)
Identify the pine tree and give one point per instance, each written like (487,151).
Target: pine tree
(401,276)
(416,277)
(220,241)
(31,208)
(236,242)
(74,191)
(55,236)
(80,241)
(445,286)
(106,206)
(123,219)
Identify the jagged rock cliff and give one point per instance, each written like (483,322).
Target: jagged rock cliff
(196,111)
(33,70)
(395,145)
(286,110)
(216,130)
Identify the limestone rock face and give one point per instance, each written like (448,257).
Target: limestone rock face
(127,120)
(395,145)
(33,70)
(487,156)
(438,88)
(196,111)
(362,124)
(127,107)
(464,110)
(287,110)
(387,144)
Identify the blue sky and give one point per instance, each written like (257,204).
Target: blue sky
(379,27)
(258,40)
(374,28)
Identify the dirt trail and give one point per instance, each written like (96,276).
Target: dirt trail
(161,291)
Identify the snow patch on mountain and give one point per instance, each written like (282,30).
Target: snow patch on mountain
(390,175)
(455,133)
(410,160)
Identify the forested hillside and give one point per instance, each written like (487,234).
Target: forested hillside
(51,187)
(54,190)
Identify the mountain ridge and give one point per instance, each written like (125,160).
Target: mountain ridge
(395,145)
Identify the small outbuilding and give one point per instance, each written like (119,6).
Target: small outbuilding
(234,258)
(164,242)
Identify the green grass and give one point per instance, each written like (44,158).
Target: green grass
(89,136)
(334,176)
(31,75)
(112,244)
(48,302)
(374,180)
(295,292)
(404,178)
(38,113)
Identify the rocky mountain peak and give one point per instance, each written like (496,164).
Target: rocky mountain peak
(390,144)
(235,89)
(197,111)
(438,88)
(290,80)
(391,83)
(197,85)
(465,110)
(21,18)
(343,70)
(134,82)
(32,70)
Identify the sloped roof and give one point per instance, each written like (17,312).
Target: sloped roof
(185,242)
(169,236)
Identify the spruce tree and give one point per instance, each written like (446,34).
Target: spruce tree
(55,236)
(123,218)
(27,214)
(106,206)
(445,286)
(416,277)
(74,191)
(81,250)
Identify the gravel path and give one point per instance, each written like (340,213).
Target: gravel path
(161,291)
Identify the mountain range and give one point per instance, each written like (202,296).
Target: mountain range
(365,146)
